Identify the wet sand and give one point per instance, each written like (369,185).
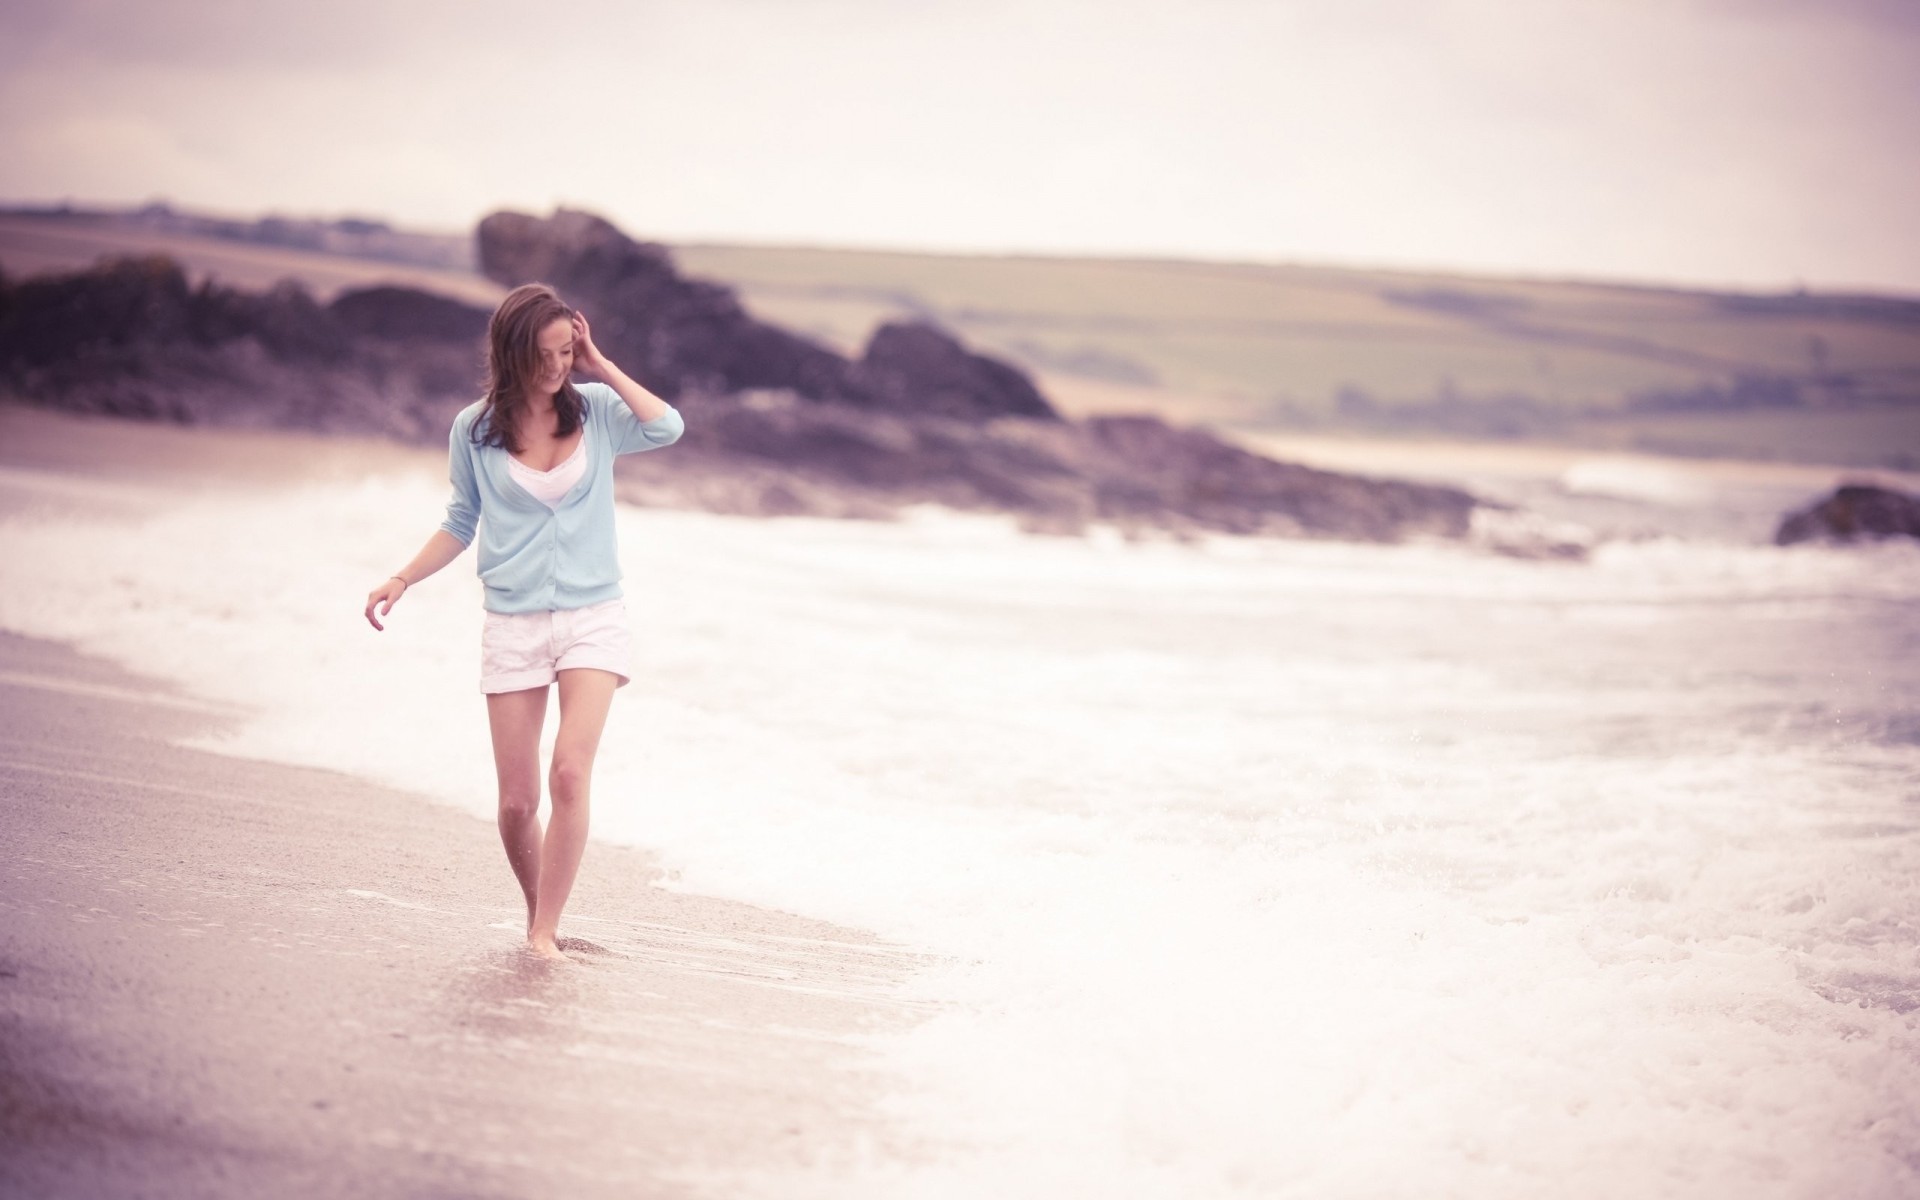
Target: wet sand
(221,977)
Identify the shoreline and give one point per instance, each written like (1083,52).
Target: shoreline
(221,976)
(121,448)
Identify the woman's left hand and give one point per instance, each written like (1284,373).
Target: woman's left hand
(587,358)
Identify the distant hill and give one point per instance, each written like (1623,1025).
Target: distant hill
(1810,377)
(1252,348)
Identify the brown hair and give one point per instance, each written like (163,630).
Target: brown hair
(513,363)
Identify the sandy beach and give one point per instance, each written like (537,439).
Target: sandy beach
(230,978)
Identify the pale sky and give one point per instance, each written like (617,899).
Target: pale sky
(1761,143)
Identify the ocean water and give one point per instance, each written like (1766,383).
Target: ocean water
(1248,868)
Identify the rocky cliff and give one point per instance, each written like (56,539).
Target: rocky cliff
(776,454)
(132,338)
(678,335)
(777,424)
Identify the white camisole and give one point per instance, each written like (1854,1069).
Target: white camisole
(551,487)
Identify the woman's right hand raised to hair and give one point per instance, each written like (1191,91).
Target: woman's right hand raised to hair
(385,597)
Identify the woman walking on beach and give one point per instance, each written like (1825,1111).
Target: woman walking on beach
(532,470)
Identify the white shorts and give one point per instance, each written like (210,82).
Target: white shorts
(528,650)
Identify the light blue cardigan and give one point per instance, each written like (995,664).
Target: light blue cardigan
(534,558)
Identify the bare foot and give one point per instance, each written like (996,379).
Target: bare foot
(544,948)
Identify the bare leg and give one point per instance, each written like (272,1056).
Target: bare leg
(516,719)
(585,696)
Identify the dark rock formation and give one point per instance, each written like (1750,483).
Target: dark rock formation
(146,303)
(778,455)
(682,336)
(1143,466)
(775,454)
(398,314)
(915,367)
(918,420)
(131,337)
(1856,511)
(673,334)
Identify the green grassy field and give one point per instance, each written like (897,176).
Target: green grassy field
(1832,379)
(1259,348)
